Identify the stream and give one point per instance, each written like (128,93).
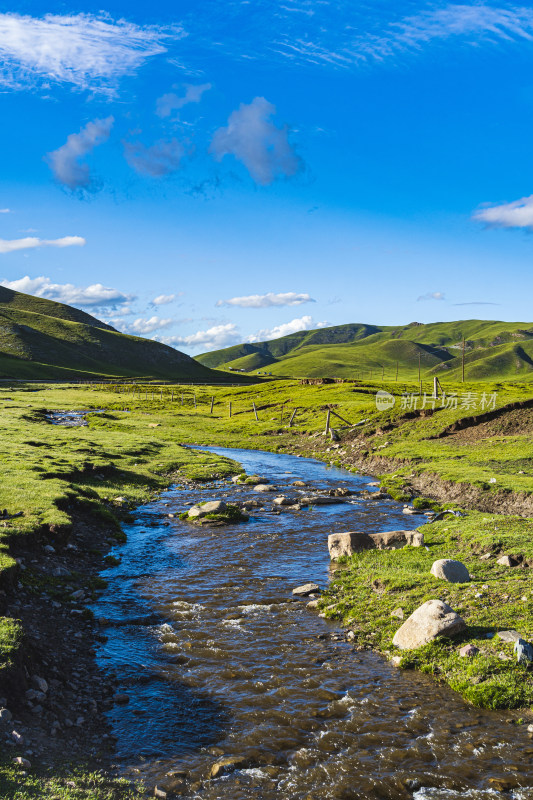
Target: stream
(219,660)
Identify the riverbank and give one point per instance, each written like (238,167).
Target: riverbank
(66,492)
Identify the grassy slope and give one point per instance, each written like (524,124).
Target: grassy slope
(495,351)
(41,339)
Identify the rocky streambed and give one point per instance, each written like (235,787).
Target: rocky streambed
(231,686)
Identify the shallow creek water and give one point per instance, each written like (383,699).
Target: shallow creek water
(219,660)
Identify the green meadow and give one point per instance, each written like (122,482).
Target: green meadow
(135,448)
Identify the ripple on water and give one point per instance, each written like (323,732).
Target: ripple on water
(234,662)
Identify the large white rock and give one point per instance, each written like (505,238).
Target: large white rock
(263,487)
(432,619)
(449,570)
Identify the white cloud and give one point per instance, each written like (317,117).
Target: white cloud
(31,242)
(432,296)
(95,295)
(144,326)
(161,159)
(66,162)
(267,300)
(211,339)
(305,323)
(170,102)
(5,210)
(518,214)
(163,299)
(84,50)
(253,139)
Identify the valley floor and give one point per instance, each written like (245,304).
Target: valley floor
(65,491)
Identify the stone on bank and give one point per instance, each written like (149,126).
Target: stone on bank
(432,619)
(346,544)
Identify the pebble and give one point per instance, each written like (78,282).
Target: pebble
(5,715)
(468,651)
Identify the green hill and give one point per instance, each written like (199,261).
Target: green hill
(493,351)
(43,340)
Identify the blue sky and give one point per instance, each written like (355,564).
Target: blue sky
(214,172)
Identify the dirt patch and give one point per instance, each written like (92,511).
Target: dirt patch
(60,697)
(515,423)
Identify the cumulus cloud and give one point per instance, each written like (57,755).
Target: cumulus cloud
(305,323)
(170,102)
(86,51)
(66,162)
(161,159)
(144,326)
(432,296)
(267,300)
(253,139)
(31,242)
(211,339)
(518,214)
(163,299)
(95,295)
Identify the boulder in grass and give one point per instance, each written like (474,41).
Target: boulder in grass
(431,620)
(449,570)
(507,561)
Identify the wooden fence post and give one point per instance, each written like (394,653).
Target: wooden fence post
(255,411)
(292,416)
(327,423)
(230,409)
(212,404)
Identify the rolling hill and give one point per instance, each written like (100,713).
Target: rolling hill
(493,351)
(44,340)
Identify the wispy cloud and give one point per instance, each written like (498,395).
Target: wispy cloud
(5,210)
(477,303)
(163,299)
(305,323)
(338,44)
(93,296)
(162,158)
(31,242)
(518,214)
(170,102)
(86,51)
(431,296)
(267,300)
(254,140)
(66,163)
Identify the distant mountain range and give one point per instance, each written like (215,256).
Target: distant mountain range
(493,351)
(44,340)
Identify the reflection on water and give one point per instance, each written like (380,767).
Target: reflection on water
(219,660)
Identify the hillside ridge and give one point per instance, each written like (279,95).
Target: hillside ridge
(493,350)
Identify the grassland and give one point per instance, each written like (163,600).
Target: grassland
(52,474)
(493,351)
